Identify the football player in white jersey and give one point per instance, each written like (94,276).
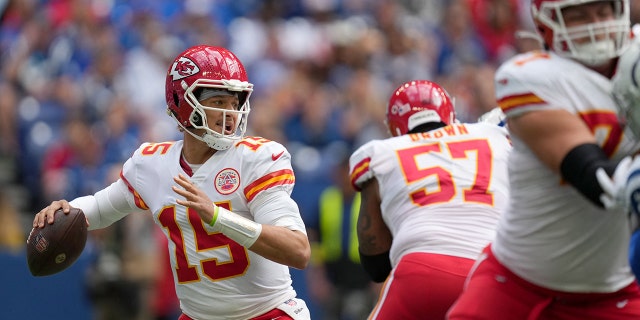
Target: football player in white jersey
(431,198)
(560,250)
(627,94)
(221,198)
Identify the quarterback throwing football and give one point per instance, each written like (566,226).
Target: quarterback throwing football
(221,198)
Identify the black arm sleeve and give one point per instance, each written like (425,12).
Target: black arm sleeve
(378,266)
(579,168)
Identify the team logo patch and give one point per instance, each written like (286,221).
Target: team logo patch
(400,108)
(183,68)
(227,181)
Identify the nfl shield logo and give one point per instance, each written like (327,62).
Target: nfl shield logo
(41,243)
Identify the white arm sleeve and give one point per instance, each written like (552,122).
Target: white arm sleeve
(107,205)
(276,207)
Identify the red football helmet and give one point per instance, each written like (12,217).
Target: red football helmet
(608,39)
(418,102)
(201,67)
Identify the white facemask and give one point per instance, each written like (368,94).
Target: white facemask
(595,53)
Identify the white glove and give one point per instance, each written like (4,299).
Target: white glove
(632,187)
(614,196)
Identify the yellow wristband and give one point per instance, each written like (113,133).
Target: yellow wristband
(215,215)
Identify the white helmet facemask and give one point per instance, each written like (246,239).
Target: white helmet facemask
(234,122)
(592,44)
(595,52)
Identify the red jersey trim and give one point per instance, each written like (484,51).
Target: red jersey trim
(359,169)
(509,103)
(277,178)
(185,166)
(136,196)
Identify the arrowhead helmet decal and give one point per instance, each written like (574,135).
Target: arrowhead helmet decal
(183,68)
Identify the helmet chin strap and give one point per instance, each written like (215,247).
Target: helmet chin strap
(595,54)
(216,143)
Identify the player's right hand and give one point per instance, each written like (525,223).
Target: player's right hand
(194,198)
(48,213)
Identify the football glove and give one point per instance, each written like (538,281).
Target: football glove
(613,195)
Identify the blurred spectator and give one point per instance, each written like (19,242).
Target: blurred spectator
(473,93)
(164,304)
(74,164)
(119,130)
(496,22)
(8,122)
(142,75)
(458,42)
(363,113)
(113,295)
(336,279)
(315,122)
(405,53)
(12,235)
(122,282)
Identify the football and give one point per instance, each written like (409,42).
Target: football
(57,246)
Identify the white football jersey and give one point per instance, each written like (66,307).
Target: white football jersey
(442,191)
(551,235)
(215,277)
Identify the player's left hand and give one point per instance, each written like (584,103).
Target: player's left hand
(194,198)
(613,196)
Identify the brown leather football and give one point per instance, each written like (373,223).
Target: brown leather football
(57,246)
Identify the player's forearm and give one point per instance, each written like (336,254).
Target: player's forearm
(374,236)
(105,207)
(275,243)
(284,246)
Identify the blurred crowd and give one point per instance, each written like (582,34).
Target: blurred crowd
(82,85)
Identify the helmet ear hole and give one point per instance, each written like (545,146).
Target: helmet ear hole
(242,97)
(196,119)
(176,99)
